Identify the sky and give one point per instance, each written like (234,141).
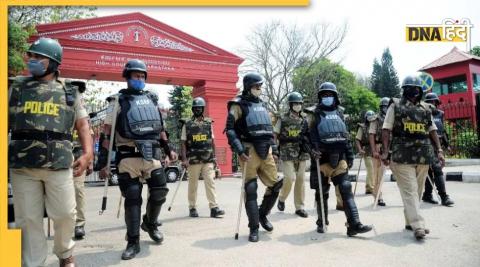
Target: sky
(373,26)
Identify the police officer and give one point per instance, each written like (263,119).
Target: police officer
(250,134)
(43,112)
(198,154)
(375,141)
(363,147)
(330,144)
(139,134)
(79,184)
(290,131)
(411,124)
(435,171)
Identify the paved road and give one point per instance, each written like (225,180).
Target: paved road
(203,241)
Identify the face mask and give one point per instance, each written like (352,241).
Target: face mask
(412,93)
(136,84)
(197,112)
(327,101)
(36,68)
(256,92)
(297,108)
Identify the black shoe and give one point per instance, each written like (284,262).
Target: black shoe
(193,213)
(339,208)
(429,199)
(358,229)
(265,223)
(409,228)
(79,232)
(446,201)
(216,212)
(302,213)
(253,236)
(320,229)
(380,202)
(281,205)
(131,251)
(419,233)
(368,192)
(152,231)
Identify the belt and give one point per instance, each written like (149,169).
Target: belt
(40,136)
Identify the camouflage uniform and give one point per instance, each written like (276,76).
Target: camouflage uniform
(411,154)
(362,137)
(290,129)
(42,118)
(378,167)
(198,137)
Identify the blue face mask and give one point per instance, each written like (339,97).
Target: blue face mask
(328,101)
(136,84)
(36,68)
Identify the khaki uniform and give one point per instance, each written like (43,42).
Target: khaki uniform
(35,189)
(378,167)
(79,184)
(264,168)
(410,177)
(135,167)
(367,159)
(294,172)
(206,170)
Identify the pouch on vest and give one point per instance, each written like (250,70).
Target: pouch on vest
(334,159)
(146,148)
(52,154)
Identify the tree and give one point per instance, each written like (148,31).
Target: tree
(21,24)
(354,97)
(181,100)
(276,49)
(384,76)
(475,51)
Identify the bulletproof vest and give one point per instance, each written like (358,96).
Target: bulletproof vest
(199,141)
(255,123)
(139,118)
(141,121)
(332,131)
(378,131)
(365,142)
(411,142)
(42,119)
(290,138)
(255,126)
(438,120)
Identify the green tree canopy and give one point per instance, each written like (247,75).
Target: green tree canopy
(181,100)
(475,51)
(384,80)
(21,24)
(355,97)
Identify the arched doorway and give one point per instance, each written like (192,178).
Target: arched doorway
(100,47)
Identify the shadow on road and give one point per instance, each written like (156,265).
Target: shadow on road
(223,243)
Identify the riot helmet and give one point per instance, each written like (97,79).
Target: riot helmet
(198,106)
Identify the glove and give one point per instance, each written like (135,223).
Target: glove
(349,163)
(316,154)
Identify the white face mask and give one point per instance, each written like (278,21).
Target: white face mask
(297,107)
(256,92)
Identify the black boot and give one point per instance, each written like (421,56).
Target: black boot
(281,205)
(319,222)
(253,236)
(154,205)
(267,205)
(79,232)
(132,219)
(429,199)
(354,226)
(133,248)
(251,208)
(446,201)
(193,213)
(216,212)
